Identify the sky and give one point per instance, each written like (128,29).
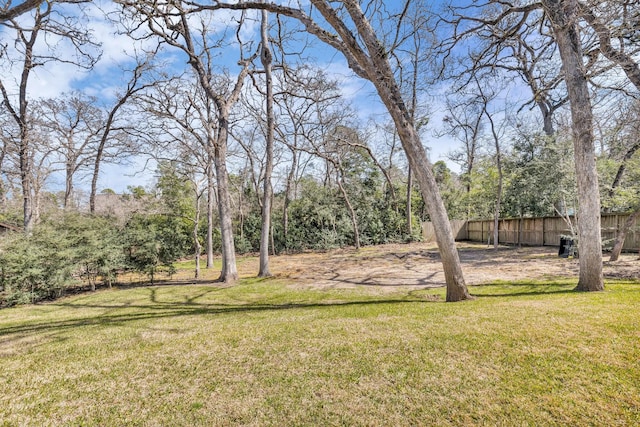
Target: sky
(106,77)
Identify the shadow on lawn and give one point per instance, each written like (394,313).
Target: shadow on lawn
(160,310)
(525,289)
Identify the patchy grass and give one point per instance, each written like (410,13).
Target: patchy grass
(264,353)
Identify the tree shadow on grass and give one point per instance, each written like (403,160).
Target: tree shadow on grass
(161,310)
(525,289)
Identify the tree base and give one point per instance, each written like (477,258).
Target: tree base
(589,287)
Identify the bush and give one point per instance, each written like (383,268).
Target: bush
(36,267)
(58,254)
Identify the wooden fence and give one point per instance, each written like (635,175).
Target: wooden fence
(535,231)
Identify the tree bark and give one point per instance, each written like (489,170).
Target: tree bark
(409,207)
(8,13)
(21,118)
(196,240)
(97,162)
(288,197)
(352,212)
(621,236)
(266,58)
(229,272)
(210,204)
(563,15)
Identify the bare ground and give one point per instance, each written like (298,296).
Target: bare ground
(418,265)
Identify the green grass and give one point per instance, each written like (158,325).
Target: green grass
(263,353)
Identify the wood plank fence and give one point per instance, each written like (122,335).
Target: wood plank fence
(544,231)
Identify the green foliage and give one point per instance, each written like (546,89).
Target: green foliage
(317,220)
(480,200)
(175,191)
(540,176)
(451,190)
(626,194)
(58,254)
(154,241)
(97,245)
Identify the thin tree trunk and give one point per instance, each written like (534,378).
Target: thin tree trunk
(97,161)
(496,216)
(210,204)
(352,212)
(409,208)
(622,234)
(563,14)
(132,88)
(288,197)
(196,240)
(266,59)
(68,188)
(3,190)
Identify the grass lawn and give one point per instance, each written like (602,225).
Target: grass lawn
(264,353)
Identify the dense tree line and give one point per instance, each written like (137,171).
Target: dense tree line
(257,149)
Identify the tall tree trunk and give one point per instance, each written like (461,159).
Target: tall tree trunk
(25,179)
(563,15)
(266,59)
(229,272)
(20,115)
(622,234)
(96,174)
(97,161)
(409,208)
(352,212)
(3,190)
(287,197)
(68,188)
(210,204)
(496,140)
(196,241)
(382,78)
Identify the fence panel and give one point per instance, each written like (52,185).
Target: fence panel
(544,231)
(459,228)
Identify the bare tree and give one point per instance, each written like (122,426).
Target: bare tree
(615,27)
(334,148)
(368,58)
(5,141)
(45,21)
(267,58)
(412,53)
(113,123)
(591,39)
(621,192)
(464,122)
(303,92)
(486,99)
(517,46)
(71,123)
(184,127)
(172,23)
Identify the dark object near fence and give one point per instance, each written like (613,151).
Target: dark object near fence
(567,248)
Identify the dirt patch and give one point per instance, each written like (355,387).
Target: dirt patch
(418,265)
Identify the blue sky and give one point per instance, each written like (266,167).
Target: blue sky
(106,78)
